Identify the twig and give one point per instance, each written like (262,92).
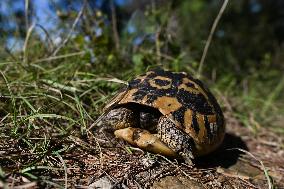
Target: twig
(71,31)
(59,57)
(27,14)
(2,120)
(26,185)
(25,47)
(65,169)
(48,38)
(261,163)
(216,21)
(158,46)
(114,26)
(177,166)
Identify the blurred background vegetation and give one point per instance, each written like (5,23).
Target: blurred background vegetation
(66,48)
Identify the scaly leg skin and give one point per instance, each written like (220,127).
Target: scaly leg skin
(175,139)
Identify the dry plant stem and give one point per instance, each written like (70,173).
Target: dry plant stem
(29,31)
(25,47)
(114,26)
(27,2)
(65,169)
(262,166)
(216,21)
(48,38)
(177,166)
(71,31)
(28,185)
(59,57)
(158,46)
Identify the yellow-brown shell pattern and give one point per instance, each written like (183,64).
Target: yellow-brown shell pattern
(184,100)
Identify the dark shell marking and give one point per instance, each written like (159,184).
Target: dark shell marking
(184,100)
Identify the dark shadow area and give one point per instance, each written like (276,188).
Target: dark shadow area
(226,155)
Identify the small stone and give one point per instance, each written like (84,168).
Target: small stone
(148,162)
(102,183)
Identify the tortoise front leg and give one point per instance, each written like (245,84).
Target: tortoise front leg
(177,140)
(144,140)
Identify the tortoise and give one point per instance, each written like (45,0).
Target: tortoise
(168,113)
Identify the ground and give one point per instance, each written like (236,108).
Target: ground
(245,160)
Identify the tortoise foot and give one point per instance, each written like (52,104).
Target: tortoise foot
(144,140)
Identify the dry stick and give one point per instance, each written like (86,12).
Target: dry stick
(65,169)
(261,163)
(158,46)
(177,166)
(26,185)
(29,30)
(216,21)
(2,120)
(48,38)
(27,14)
(114,26)
(25,47)
(59,57)
(71,31)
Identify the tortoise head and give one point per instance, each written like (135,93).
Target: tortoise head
(119,118)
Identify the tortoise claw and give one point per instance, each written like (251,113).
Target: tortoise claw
(144,140)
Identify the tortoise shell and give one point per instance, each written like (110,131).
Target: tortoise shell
(183,99)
